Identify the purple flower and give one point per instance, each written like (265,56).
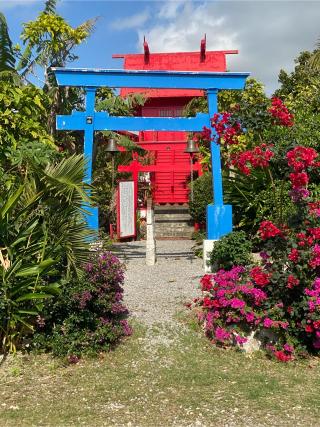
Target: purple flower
(288,348)
(127,330)
(264,255)
(316,343)
(73,359)
(118,308)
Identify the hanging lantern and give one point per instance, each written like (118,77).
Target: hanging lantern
(191,147)
(112,146)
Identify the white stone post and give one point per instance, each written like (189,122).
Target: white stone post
(151,241)
(207,248)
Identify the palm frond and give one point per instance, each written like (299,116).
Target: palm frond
(88,26)
(7,56)
(50,7)
(25,58)
(65,179)
(74,237)
(314,61)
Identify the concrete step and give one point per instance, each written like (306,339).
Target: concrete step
(173,221)
(173,218)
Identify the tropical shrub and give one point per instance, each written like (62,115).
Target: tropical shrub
(89,316)
(44,238)
(202,196)
(230,250)
(281,295)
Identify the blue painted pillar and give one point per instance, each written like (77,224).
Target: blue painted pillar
(219,216)
(92,218)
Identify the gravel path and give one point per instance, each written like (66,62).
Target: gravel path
(154,294)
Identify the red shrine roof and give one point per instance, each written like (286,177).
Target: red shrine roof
(202,60)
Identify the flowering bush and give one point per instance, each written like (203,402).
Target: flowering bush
(89,315)
(282,295)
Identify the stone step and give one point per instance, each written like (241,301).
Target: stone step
(173,233)
(173,221)
(172,218)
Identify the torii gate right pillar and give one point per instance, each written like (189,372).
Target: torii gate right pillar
(219,215)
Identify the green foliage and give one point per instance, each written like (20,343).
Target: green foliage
(52,39)
(107,100)
(23,116)
(202,196)
(254,196)
(198,236)
(233,249)
(43,238)
(253,94)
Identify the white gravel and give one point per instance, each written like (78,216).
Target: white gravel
(154,294)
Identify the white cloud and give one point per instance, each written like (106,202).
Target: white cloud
(133,21)
(10,4)
(185,25)
(268,35)
(169,9)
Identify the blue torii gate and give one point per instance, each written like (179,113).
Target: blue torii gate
(219,216)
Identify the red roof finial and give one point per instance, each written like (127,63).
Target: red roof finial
(146,51)
(203,49)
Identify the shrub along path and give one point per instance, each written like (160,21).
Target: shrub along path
(166,374)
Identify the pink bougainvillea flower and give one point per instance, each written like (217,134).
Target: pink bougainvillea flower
(267,323)
(206,282)
(294,255)
(241,340)
(301,158)
(237,303)
(292,281)
(221,334)
(316,324)
(315,259)
(268,230)
(259,276)
(282,356)
(280,113)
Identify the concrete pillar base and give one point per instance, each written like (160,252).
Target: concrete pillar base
(151,250)
(207,248)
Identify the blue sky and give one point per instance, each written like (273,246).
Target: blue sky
(268,34)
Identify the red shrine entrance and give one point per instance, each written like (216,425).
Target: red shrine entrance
(170,170)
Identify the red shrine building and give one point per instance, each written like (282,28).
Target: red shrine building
(170,168)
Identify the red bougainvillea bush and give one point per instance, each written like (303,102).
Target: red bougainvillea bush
(281,295)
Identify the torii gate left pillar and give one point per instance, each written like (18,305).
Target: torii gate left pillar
(219,216)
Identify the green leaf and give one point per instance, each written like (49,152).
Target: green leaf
(36,269)
(32,296)
(11,202)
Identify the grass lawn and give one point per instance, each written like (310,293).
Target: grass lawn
(160,378)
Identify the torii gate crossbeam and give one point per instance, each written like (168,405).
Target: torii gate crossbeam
(219,216)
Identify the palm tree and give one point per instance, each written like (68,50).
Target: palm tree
(315,58)
(7,54)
